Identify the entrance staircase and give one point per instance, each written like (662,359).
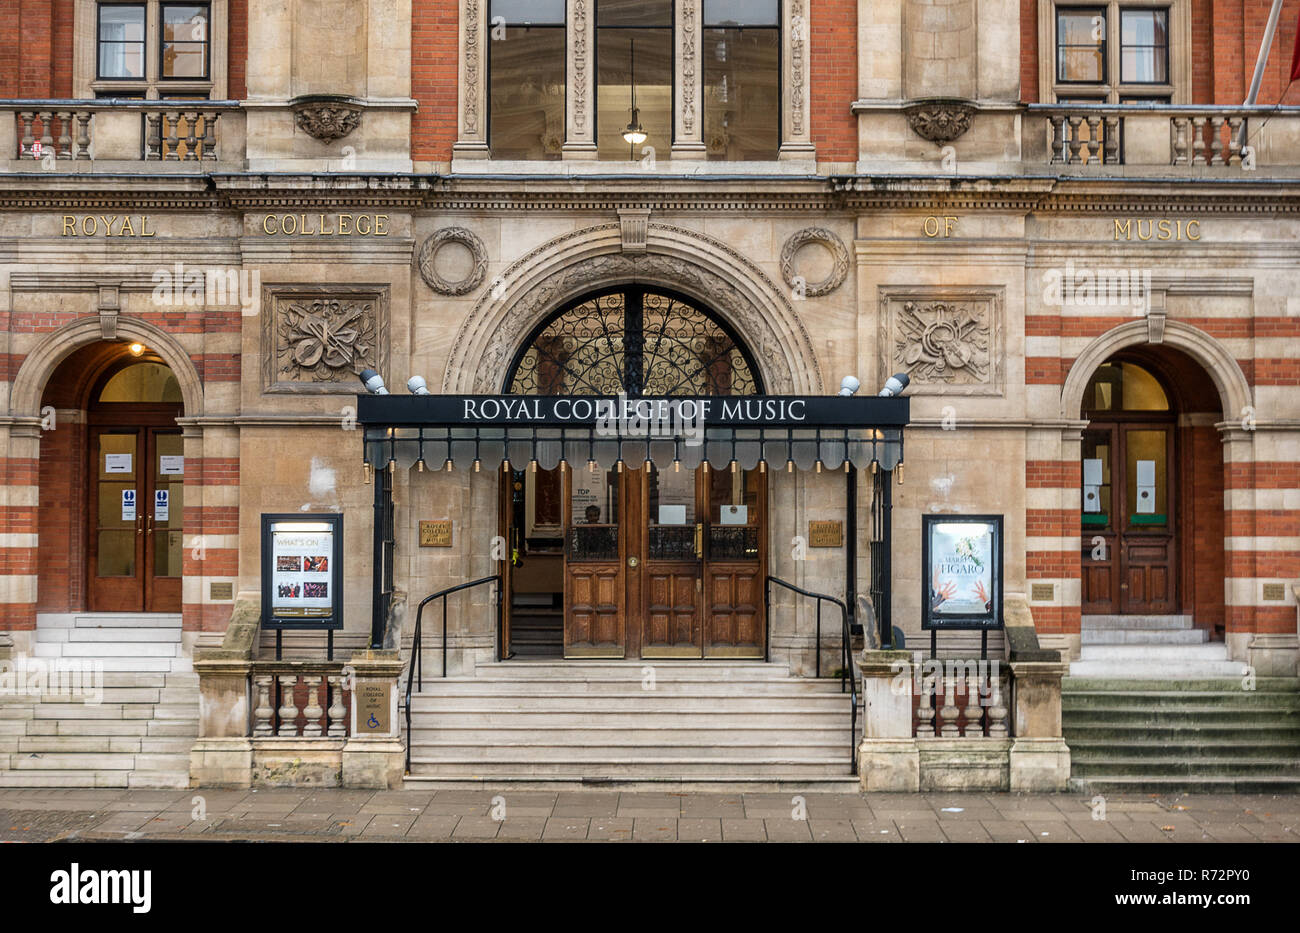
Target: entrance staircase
(715,724)
(1153,707)
(140,733)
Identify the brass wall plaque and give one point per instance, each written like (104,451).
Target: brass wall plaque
(221,590)
(435,533)
(1042,592)
(1275,592)
(826,534)
(373,702)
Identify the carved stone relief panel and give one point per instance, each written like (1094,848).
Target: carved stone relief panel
(317,338)
(950,341)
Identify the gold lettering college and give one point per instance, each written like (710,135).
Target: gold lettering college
(325,224)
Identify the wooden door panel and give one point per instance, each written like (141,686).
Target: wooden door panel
(671,626)
(116,551)
(163,538)
(594,620)
(734,611)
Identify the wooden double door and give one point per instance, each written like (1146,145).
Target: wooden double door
(136,544)
(1130,546)
(660,564)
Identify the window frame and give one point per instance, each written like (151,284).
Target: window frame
(778,28)
(1112,90)
(89,84)
(162,43)
(563,26)
(143,6)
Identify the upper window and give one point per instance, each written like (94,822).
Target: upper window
(634,77)
(742,79)
(1113,53)
(153,49)
(526,79)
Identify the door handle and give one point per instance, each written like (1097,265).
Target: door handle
(699,540)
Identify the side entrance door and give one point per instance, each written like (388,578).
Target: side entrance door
(1129,542)
(136,542)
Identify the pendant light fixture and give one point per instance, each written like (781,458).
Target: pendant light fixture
(634,134)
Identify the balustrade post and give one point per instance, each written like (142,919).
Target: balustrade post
(1180,140)
(83,134)
(949,711)
(191,139)
(313,711)
(47,132)
(1236,138)
(153,137)
(65,136)
(1198,140)
(1074,142)
(209,148)
(1216,140)
(288,709)
(337,711)
(1058,137)
(997,709)
(262,711)
(925,709)
(974,712)
(1110,141)
(25,119)
(1094,139)
(170,154)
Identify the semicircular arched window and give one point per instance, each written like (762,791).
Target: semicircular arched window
(633,340)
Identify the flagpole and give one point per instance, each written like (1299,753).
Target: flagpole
(1264,47)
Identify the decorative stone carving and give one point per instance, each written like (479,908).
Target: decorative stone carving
(469,56)
(327,117)
(839,262)
(950,341)
(579,70)
(939,119)
(428,261)
(317,338)
(489,338)
(798,27)
(634,224)
(687,30)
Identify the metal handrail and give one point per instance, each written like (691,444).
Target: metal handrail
(847,675)
(415,670)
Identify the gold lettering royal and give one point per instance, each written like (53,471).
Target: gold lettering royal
(325,224)
(1163,229)
(107,225)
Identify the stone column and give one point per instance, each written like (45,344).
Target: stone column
(688,81)
(796,131)
(471,120)
(888,757)
(1040,759)
(580,80)
(375,757)
(223,753)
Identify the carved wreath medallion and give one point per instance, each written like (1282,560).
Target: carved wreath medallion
(429,256)
(317,339)
(839,261)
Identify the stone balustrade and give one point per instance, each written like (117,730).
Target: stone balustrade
(300,699)
(112,130)
(960,698)
(1097,135)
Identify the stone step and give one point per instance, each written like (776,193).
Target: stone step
(1181,784)
(39,777)
(1083,750)
(1093,621)
(630,703)
(639,768)
(1138,716)
(1118,766)
(1202,702)
(1144,636)
(632,718)
(605,736)
(105,650)
(597,753)
(107,620)
(1143,670)
(1084,685)
(1213,651)
(664,670)
(1204,730)
(123,636)
(782,689)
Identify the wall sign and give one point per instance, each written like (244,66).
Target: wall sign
(435,533)
(961,571)
(161,505)
(372,703)
(117,463)
(171,464)
(128,505)
(302,571)
(826,534)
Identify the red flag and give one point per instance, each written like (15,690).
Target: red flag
(1295,56)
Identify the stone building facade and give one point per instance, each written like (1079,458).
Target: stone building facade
(263,200)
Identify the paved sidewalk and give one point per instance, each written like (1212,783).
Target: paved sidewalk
(569,815)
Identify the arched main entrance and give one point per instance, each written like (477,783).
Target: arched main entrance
(633,561)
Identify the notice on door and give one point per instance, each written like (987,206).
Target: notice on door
(117,463)
(128,505)
(161,505)
(171,465)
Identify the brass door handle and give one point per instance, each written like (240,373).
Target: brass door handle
(699,540)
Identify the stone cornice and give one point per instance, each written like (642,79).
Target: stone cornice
(845,195)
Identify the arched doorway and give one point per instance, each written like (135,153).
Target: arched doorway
(112,474)
(634,561)
(1152,489)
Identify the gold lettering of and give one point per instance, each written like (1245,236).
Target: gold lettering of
(324,232)
(1126,227)
(126,226)
(144,226)
(379,224)
(1149,225)
(1165,231)
(344,219)
(284,224)
(931,226)
(1189,229)
(94,227)
(366,230)
(108,223)
(69,223)
(265,225)
(302,226)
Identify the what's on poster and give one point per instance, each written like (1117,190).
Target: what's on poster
(301,571)
(963,571)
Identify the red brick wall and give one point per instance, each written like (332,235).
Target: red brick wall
(61,551)
(1029,51)
(833,69)
(434,51)
(237,51)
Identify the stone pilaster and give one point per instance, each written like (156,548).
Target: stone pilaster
(796,129)
(688,79)
(888,757)
(580,80)
(471,120)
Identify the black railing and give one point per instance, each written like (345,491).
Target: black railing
(415,670)
(847,676)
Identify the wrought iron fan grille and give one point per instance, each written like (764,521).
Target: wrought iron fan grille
(635,341)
